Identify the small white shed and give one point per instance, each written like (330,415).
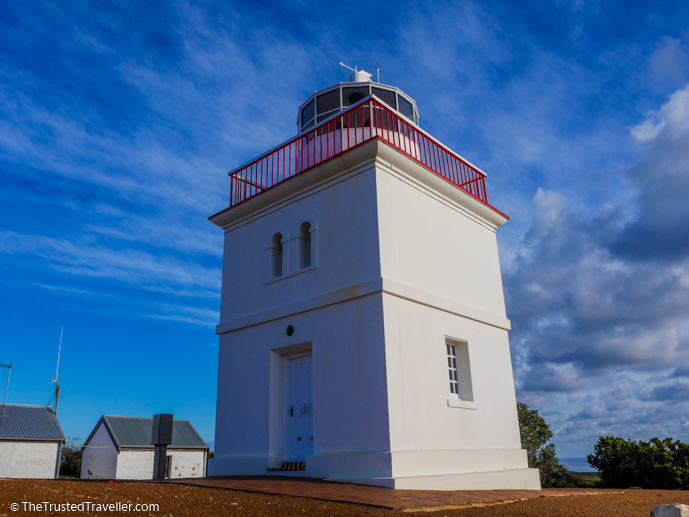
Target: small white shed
(30,442)
(120,448)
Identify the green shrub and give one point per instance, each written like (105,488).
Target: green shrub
(659,464)
(70,461)
(535,434)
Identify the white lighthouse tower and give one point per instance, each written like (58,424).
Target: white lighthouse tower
(363,335)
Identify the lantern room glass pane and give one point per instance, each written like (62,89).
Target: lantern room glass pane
(321,118)
(308,112)
(329,101)
(386,96)
(406,108)
(353,94)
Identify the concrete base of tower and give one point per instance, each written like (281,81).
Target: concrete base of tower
(239,466)
(468,469)
(516,479)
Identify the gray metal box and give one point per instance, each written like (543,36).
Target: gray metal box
(162,429)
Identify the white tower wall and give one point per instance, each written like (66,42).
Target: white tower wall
(430,241)
(334,305)
(349,391)
(347,209)
(403,261)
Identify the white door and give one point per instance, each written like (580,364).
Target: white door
(299,414)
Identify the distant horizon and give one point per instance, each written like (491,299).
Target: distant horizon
(578,464)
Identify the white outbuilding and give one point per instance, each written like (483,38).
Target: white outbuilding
(120,448)
(363,333)
(31,440)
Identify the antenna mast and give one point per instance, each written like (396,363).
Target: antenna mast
(57,369)
(377,72)
(9,367)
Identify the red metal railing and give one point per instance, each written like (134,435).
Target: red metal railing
(345,131)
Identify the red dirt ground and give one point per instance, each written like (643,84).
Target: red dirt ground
(180,500)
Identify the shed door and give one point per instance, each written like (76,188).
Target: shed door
(299,418)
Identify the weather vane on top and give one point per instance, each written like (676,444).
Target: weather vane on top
(361,75)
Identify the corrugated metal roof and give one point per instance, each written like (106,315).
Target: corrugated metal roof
(128,431)
(20,422)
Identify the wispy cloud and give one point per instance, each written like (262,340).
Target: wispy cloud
(130,266)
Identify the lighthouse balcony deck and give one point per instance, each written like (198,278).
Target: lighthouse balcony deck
(368,119)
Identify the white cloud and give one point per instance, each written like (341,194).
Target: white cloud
(600,323)
(673,117)
(649,129)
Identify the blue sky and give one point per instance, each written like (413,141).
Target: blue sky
(119,121)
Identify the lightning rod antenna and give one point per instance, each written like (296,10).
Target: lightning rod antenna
(7,387)
(57,369)
(59,349)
